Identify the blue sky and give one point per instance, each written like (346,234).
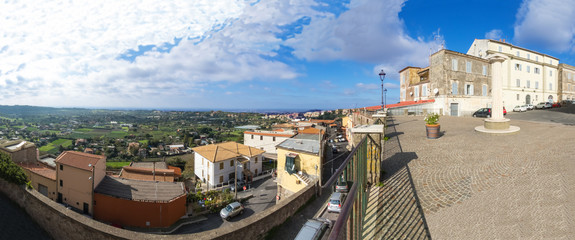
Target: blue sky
(249,54)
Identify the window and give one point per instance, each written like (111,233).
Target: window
(517,53)
(416,90)
(484,70)
(550,61)
(231,163)
(518,67)
(261,138)
(468,67)
(290,164)
(537,58)
(528,57)
(403,93)
(454,88)
(61,167)
(424,90)
(221,165)
(257,160)
(536,70)
(61,183)
(536,85)
(484,90)
(208,177)
(528,68)
(550,86)
(252,136)
(500,49)
(568,75)
(469,89)
(518,83)
(454,64)
(550,73)
(517,96)
(528,84)
(274,139)
(221,179)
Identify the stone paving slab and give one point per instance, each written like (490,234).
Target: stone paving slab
(479,186)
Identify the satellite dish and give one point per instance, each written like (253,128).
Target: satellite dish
(411,93)
(435,91)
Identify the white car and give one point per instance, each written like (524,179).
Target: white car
(530,106)
(518,108)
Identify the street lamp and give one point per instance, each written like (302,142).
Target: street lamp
(385,102)
(382,77)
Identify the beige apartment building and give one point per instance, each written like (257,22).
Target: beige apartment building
(567,82)
(78,174)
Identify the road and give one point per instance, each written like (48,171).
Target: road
(263,191)
(563,115)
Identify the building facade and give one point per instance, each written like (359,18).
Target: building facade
(566,82)
(297,158)
(77,175)
(266,140)
(529,77)
(218,164)
(20,151)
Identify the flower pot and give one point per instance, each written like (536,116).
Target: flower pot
(432,131)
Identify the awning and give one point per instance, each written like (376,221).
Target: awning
(291,155)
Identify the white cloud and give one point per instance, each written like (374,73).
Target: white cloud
(369,86)
(546,23)
(371,32)
(494,34)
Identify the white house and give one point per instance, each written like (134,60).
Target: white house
(529,77)
(216,164)
(266,140)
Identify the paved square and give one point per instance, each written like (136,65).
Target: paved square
(477,186)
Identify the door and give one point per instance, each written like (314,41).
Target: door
(528,99)
(86,209)
(59,200)
(454,109)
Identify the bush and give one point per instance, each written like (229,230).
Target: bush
(11,172)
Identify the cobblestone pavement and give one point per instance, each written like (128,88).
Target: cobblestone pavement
(478,186)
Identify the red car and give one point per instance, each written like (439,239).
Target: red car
(556,104)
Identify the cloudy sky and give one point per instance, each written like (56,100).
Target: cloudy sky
(249,54)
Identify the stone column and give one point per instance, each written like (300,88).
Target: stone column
(497,124)
(497,87)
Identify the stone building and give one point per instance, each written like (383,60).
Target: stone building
(459,83)
(20,151)
(566,82)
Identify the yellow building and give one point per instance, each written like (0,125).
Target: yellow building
(299,162)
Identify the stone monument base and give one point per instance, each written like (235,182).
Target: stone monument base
(497,127)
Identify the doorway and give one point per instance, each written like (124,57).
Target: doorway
(528,99)
(454,109)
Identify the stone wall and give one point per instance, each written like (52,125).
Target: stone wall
(63,223)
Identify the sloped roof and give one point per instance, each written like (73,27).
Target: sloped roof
(39,169)
(79,159)
(147,174)
(300,145)
(310,131)
(137,190)
(401,104)
(226,150)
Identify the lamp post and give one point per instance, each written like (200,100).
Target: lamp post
(385,99)
(382,77)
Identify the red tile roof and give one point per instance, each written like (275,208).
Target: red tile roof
(79,159)
(39,169)
(401,104)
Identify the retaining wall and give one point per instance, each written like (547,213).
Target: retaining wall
(63,223)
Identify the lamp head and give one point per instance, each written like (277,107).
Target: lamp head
(382,75)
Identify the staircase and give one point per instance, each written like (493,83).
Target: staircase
(303,177)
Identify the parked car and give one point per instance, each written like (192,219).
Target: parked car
(335,201)
(556,105)
(341,185)
(240,183)
(529,106)
(522,108)
(486,112)
(232,210)
(540,105)
(314,229)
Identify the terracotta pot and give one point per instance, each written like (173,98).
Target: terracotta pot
(432,131)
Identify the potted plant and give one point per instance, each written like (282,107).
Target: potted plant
(432,126)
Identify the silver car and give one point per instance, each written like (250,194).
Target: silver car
(335,202)
(313,229)
(232,210)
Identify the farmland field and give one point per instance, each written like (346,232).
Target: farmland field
(54,146)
